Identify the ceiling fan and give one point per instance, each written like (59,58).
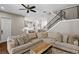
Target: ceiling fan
(28,8)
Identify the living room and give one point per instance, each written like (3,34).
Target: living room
(29,29)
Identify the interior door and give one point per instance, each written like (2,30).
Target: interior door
(5,28)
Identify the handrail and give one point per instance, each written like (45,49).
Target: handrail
(55,17)
(54,22)
(51,20)
(59,19)
(69,8)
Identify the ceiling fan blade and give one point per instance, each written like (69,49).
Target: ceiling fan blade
(24,6)
(22,9)
(27,11)
(33,10)
(32,7)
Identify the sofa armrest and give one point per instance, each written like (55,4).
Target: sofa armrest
(21,49)
(10,45)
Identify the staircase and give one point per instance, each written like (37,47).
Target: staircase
(65,14)
(56,19)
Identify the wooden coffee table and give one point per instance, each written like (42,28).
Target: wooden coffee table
(40,48)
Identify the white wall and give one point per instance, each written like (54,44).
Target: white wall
(66,27)
(17,23)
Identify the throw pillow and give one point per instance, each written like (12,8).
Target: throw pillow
(20,40)
(32,36)
(25,37)
(14,39)
(42,34)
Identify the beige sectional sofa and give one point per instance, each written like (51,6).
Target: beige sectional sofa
(22,43)
(68,42)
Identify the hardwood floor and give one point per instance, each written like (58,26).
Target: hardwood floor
(3,48)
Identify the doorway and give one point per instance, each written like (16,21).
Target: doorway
(5,28)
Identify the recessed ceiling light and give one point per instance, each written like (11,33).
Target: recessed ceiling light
(2,8)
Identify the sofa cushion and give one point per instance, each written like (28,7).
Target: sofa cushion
(56,35)
(25,37)
(32,36)
(48,40)
(65,37)
(20,40)
(42,35)
(14,40)
(36,41)
(72,38)
(76,42)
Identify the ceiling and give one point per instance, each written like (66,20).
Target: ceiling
(40,8)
